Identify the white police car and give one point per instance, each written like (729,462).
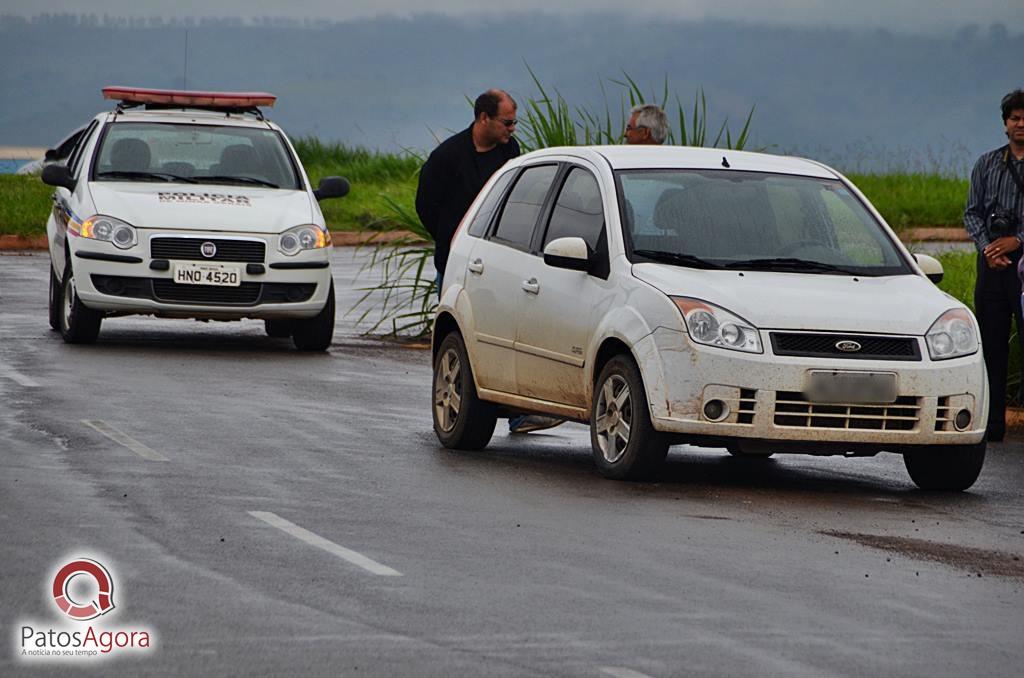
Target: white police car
(184,204)
(716,298)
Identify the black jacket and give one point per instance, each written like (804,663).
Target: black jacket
(449,181)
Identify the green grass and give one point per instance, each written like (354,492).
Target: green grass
(24,205)
(915,199)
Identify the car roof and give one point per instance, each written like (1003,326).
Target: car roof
(189,115)
(688,157)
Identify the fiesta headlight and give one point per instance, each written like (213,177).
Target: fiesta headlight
(952,335)
(308,237)
(714,326)
(111,230)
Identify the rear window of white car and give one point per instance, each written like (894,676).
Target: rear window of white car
(145,151)
(730,219)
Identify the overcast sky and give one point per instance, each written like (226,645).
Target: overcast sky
(915,16)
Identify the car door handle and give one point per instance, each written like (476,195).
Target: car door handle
(531,286)
(476,266)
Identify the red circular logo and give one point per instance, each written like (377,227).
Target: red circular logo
(104,601)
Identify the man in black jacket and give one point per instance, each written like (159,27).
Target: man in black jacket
(458,168)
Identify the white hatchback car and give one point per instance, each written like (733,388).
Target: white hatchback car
(188,204)
(716,298)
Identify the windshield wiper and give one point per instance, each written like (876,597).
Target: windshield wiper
(787,264)
(241,180)
(162,176)
(677,258)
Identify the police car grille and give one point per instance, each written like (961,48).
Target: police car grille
(824,346)
(250,251)
(794,409)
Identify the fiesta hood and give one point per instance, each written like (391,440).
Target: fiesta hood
(203,208)
(902,304)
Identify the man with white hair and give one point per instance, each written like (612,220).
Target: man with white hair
(647,124)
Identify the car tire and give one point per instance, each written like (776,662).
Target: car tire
(740,454)
(315,334)
(78,323)
(951,468)
(55,300)
(461,420)
(623,440)
(279,329)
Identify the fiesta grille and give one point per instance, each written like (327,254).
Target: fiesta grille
(746,406)
(167,291)
(825,346)
(793,409)
(249,251)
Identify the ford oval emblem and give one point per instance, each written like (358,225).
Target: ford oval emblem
(847,346)
(208,249)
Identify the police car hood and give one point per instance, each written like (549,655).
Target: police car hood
(203,208)
(899,304)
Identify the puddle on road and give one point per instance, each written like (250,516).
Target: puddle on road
(973,560)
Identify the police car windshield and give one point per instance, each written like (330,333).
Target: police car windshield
(205,154)
(753,221)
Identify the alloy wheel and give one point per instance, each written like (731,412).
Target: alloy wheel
(448,390)
(614,418)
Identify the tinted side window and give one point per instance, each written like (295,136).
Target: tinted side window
(483,216)
(578,211)
(519,217)
(75,159)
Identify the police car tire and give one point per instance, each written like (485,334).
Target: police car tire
(83,324)
(315,334)
(55,300)
(950,468)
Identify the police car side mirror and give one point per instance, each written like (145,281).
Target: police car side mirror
(58,175)
(331,187)
(931,267)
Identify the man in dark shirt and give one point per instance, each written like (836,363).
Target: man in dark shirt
(458,168)
(993,219)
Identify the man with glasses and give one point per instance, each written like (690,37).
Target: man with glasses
(458,168)
(648,125)
(450,180)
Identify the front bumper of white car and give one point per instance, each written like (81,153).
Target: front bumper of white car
(140,280)
(762,397)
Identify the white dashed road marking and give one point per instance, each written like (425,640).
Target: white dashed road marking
(313,539)
(122,438)
(16,376)
(621,672)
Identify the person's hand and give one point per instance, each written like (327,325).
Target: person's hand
(997,262)
(1001,246)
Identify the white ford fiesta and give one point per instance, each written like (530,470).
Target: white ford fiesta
(184,204)
(715,298)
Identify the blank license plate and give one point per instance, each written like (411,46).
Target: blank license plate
(221,275)
(851,387)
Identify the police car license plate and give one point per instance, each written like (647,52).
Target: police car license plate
(222,275)
(836,386)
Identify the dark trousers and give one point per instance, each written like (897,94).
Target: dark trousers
(996,301)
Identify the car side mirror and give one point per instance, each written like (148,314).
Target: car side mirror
(58,175)
(331,187)
(931,267)
(571,253)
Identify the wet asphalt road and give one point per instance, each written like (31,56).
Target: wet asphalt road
(275,513)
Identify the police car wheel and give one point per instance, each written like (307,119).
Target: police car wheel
(278,329)
(315,334)
(55,300)
(78,323)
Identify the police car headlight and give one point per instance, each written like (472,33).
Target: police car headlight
(310,237)
(713,326)
(110,230)
(952,335)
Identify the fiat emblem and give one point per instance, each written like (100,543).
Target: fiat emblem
(208,249)
(847,346)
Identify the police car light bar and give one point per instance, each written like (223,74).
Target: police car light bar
(190,98)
